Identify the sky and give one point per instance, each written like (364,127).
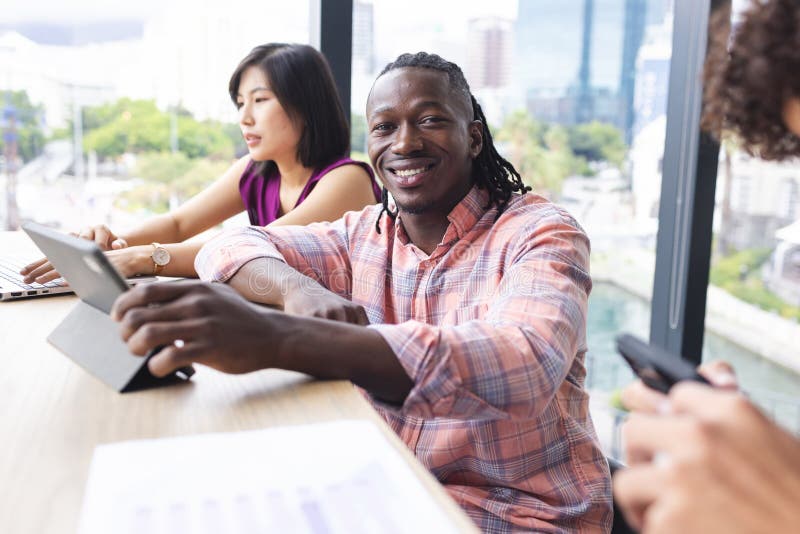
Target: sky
(91,10)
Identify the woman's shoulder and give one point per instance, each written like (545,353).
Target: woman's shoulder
(352,169)
(345,162)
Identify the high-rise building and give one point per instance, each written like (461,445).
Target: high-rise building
(635,16)
(363,38)
(489,51)
(578,57)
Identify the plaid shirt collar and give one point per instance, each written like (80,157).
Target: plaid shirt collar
(462,217)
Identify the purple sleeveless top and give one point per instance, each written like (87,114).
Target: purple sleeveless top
(261,195)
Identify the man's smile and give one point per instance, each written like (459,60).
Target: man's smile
(409,174)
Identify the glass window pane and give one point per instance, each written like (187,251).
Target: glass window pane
(138,90)
(753,310)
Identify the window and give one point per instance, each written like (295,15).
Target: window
(121,111)
(576,95)
(753,301)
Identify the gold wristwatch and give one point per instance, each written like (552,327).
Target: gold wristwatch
(160,257)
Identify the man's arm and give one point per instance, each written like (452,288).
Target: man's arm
(218,328)
(302,270)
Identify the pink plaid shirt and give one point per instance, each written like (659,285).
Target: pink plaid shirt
(491,327)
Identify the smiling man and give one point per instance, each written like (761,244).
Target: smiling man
(459,307)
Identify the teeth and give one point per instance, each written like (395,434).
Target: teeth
(410,172)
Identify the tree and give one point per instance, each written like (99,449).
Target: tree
(540,152)
(27,119)
(138,126)
(170,179)
(597,141)
(358,132)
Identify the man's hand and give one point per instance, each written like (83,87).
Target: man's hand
(319,302)
(196,322)
(713,464)
(274,283)
(42,271)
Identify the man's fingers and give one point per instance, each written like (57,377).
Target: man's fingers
(637,397)
(137,317)
(171,358)
(635,488)
(153,335)
(146,294)
(33,265)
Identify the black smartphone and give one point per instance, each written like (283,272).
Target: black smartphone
(656,367)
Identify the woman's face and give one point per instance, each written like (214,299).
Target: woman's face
(267,129)
(791,115)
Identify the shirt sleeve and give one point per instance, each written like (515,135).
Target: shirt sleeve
(512,361)
(319,251)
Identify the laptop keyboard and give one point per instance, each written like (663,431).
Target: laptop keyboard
(11,280)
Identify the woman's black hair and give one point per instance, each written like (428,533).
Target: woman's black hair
(490,171)
(302,82)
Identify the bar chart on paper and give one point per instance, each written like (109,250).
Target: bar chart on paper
(328,478)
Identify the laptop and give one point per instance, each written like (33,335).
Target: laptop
(12,287)
(88,335)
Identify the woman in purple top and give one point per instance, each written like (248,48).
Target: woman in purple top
(296,171)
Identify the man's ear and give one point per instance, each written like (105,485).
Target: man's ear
(476,138)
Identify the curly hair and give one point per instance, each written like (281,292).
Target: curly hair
(490,170)
(748,81)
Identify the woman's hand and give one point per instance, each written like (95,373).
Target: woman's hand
(132,261)
(710,463)
(637,397)
(42,271)
(103,237)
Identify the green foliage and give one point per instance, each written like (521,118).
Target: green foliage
(596,141)
(162,167)
(738,274)
(358,132)
(28,118)
(540,152)
(169,178)
(203,139)
(138,126)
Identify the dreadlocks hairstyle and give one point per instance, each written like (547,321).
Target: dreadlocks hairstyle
(748,80)
(490,170)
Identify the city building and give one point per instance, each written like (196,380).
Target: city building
(489,49)
(581,76)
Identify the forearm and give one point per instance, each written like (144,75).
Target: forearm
(478,370)
(159,229)
(269,281)
(333,350)
(138,260)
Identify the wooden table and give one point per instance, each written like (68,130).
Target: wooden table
(52,414)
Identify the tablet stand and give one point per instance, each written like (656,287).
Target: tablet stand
(90,338)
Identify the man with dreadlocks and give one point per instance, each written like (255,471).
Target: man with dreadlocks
(459,306)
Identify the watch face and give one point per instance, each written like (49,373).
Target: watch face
(161,256)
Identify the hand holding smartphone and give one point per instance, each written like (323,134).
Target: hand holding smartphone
(656,367)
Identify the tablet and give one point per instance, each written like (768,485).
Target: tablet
(88,335)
